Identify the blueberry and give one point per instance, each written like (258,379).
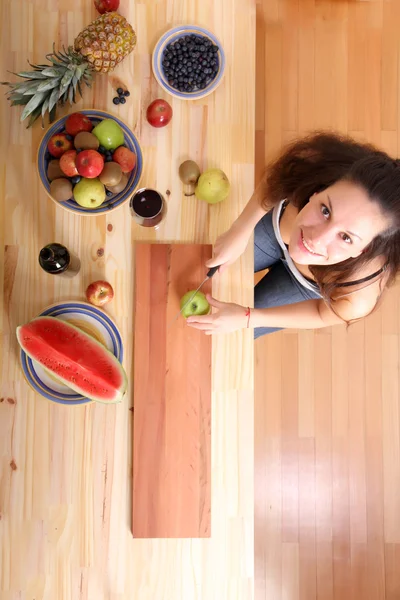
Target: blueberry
(122,100)
(47,156)
(76,179)
(108,158)
(120,91)
(116,100)
(69,137)
(109,193)
(78,150)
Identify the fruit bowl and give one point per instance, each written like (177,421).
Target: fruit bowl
(199,45)
(112,201)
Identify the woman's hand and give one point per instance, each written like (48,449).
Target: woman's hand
(228,247)
(230,317)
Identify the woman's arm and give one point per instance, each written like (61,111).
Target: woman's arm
(231,244)
(309,314)
(252,212)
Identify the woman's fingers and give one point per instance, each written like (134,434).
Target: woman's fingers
(213,262)
(200,325)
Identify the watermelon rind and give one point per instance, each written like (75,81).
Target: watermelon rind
(119,393)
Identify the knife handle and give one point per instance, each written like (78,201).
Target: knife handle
(212,271)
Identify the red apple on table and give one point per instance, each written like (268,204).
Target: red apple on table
(58,144)
(99,293)
(78,122)
(67,163)
(104,6)
(159,113)
(89,163)
(125,158)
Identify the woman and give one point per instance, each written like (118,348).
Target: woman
(326,222)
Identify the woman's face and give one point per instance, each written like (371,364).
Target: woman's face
(335,225)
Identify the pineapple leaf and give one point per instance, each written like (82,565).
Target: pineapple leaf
(71,95)
(53,99)
(19,101)
(34,115)
(30,74)
(67,78)
(45,106)
(80,89)
(48,85)
(52,113)
(25,86)
(51,72)
(33,104)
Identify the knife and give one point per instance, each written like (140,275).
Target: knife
(210,274)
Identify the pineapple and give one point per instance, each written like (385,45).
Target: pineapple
(98,48)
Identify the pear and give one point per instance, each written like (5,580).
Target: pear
(213,186)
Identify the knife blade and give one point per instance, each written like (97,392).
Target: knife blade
(210,274)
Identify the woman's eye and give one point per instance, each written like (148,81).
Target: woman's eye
(325,210)
(346,238)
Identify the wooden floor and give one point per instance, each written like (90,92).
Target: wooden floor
(327,453)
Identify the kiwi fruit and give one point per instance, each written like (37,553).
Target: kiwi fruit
(116,189)
(84,140)
(189,172)
(53,170)
(111,174)
(61,189)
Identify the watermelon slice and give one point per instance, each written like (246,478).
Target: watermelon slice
(74,357)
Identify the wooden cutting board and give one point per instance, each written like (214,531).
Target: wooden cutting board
(172,397)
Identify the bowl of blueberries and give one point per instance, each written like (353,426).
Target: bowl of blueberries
(188,62)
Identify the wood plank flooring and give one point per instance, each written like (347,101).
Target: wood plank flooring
(327,411)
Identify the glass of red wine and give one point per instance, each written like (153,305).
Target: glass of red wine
(148,207)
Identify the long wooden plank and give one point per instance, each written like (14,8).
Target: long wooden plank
(172,397)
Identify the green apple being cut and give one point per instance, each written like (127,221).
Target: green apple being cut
(89,193)
(109,134)
(198,306)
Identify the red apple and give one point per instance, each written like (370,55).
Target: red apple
(58,144)
(159,113)
(67,163)
(125,158)
(89,163)
(104,6)
(99,293)
(78,122)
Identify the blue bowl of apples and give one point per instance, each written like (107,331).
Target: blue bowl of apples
(89,162)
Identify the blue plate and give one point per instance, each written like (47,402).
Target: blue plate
(110,202)
(90,319)
(172,36)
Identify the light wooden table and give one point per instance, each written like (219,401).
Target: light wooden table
(65,472)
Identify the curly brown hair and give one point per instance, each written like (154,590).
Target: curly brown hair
(315,162)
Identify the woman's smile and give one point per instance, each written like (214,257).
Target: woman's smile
(306,247)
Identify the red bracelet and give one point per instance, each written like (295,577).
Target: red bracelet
(248,316)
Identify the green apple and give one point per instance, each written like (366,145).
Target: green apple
(109,134)
(89,193)
(198,306)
